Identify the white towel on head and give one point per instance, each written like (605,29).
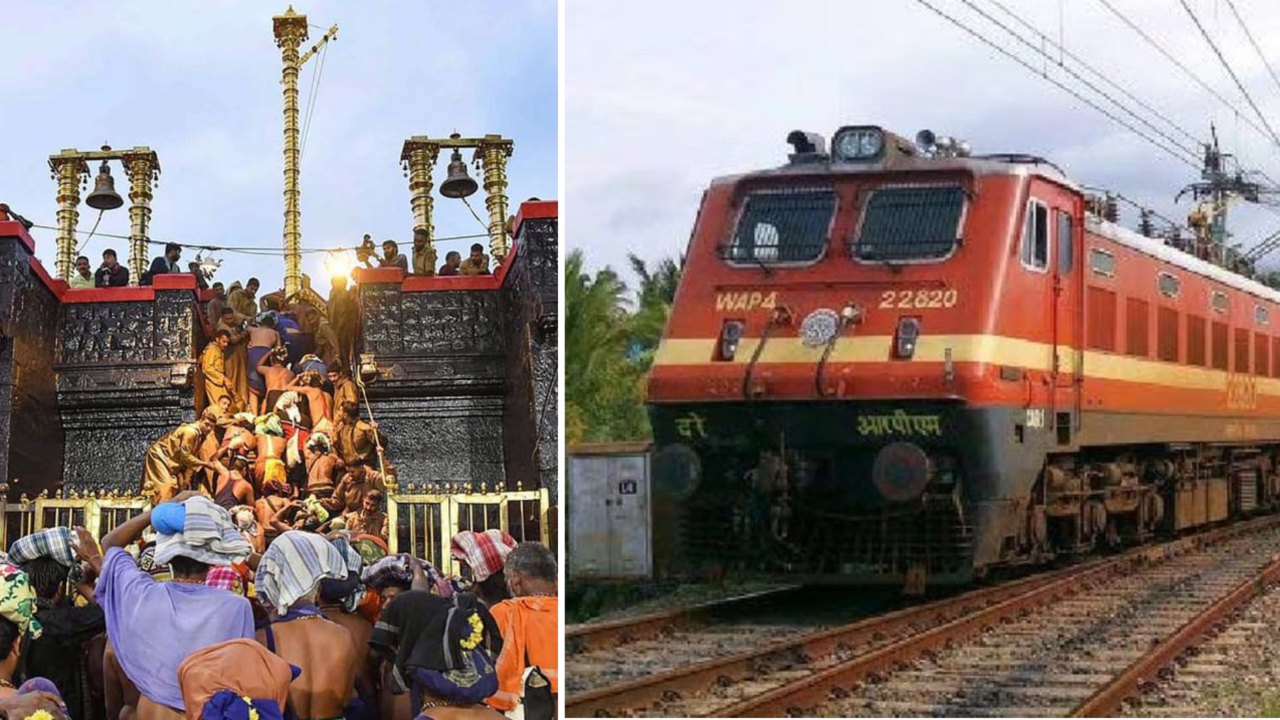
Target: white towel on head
(209,535)
(293,566)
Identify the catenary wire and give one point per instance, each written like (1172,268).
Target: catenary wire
(1245,26)
(1074,93)
(1214,46)
(1182,66)
(1094,71)
(1191,152)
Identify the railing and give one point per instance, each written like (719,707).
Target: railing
(97,513)
(422,519)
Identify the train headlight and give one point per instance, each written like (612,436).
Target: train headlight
(904,343)
(858,143)
(730,336)
(851,314)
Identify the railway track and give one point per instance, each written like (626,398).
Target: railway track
(590,637)
(608,653)
(1070,638)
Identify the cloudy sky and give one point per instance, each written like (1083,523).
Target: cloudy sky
(664,95)
(199,83)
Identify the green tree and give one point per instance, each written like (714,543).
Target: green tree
(603,389)
(609,346)
(656,295)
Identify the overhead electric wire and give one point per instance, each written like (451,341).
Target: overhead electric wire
(1181,66)
(1245,26)
(1063,86)
(247,250)
(1192,152)
(1214,46)
(1064,52)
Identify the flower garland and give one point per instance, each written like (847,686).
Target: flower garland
(471,641)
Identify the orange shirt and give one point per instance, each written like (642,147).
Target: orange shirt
(529,625)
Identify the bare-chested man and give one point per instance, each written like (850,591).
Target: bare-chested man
(298,632)
(271,444)
(274,374)
(360,629)
(230,488)
(323,467)
(308,384)
(238,439)
(211,442)
(262,339)
(275,510)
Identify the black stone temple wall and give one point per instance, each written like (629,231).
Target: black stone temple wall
(439,396)
(467,375)
(466,388)
(31,460)
(125,374)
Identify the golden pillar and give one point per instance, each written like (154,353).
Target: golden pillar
(419,159)
(290,32)
(68,168)
(494,151)
(141,166)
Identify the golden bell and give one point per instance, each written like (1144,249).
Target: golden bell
(104,195)
(459,184)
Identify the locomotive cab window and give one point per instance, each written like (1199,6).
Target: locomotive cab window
(783,227)
(1066,244)
(910,224)
(1035,237)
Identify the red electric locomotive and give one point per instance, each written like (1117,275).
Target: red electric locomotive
(896,363)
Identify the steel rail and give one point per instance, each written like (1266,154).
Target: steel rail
(1108,700)
(943,616)
(611,633)
(795,698)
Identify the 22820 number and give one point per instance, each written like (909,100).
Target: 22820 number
(919,298)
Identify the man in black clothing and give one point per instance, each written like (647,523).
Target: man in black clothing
(168,263)
(61,653)
(111,273)
(194,268)
(391,257)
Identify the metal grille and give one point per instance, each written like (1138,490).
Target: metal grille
(479,517)
(910,223)
(423,523)
(113,517)
(418,531)
(63,517)
(790,226)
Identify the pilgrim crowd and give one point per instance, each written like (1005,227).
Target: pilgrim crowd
(258,584)
(174,613)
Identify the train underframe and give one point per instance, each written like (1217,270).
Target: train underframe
(807,493)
